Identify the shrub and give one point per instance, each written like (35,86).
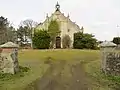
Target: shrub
(116,40)
(53,30)
(8,76)
(66,41)
(41,40)
(84,41)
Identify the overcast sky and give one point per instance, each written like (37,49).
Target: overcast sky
(99,17)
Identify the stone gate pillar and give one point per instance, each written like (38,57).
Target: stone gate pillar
(9,58)
(105,48)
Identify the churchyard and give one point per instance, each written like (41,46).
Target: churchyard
(85,64)
(56,55)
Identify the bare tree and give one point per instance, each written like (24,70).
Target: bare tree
(30,24)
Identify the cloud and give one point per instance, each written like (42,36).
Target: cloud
(99,17)
(98,24)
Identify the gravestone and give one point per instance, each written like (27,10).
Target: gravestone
(106,48)
(9,58)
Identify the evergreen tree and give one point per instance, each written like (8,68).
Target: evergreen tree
(3,29)
(7,32)
(82,41)
(41,40)
(116,40)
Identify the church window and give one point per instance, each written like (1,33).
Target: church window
(68,30)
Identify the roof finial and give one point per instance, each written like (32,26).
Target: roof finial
(57,6)
(57,3)
(47,15)
(68,15)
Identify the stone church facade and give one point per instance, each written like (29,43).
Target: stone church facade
(67,27)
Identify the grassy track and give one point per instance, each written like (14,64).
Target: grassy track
(34,59)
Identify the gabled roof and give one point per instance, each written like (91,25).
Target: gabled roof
(9,45)
(63,17)
(107,44)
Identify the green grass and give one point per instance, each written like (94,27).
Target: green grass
(7,76)
(34,59)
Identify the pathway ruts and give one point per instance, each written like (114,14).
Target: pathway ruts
(56,79)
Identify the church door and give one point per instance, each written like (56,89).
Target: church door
(58,42)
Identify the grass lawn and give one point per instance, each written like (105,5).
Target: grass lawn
(34,59)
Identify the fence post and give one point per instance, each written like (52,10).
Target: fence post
(9,58)
(105,48)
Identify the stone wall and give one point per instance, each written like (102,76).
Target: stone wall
(112,63)
(9,61)
(1,61)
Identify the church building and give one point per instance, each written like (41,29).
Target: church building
(66,26)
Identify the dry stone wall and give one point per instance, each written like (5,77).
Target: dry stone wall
(9,61)
(113,63)
(110,58)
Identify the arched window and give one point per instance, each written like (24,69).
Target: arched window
(68,30)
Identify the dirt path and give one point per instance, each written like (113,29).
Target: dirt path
(62,76)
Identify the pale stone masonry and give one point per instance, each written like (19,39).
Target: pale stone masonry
(9,58)
(67,27)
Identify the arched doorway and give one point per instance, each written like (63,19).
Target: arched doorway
(58,42)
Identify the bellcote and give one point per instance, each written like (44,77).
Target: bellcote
(57,7)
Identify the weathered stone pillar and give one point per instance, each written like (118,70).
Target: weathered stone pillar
(105,48)
(9,58)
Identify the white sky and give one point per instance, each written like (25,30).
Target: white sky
(99,17)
